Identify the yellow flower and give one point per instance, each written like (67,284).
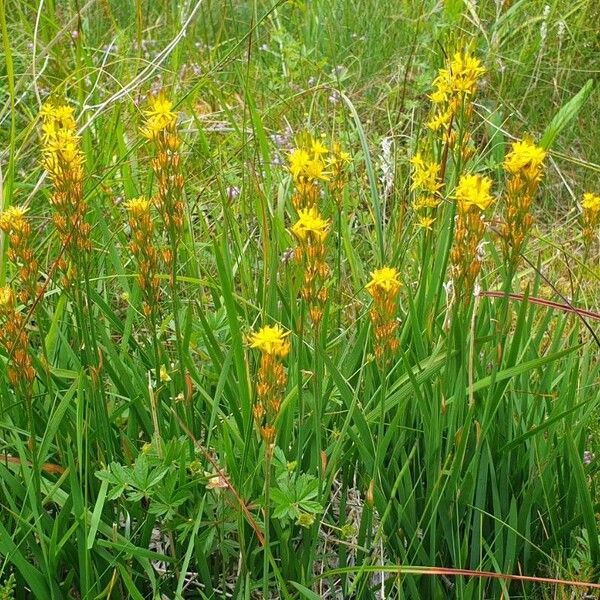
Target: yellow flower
(164,374)
(298,160)
(425,222)
(13,219)
(138,207)
(56,117)
(426,202)
(7,298)
(440,120)
(460,77)
(315,169)
(474,190)
(591,203)
(271,340)
(425,175)
(442,87)
(340,155)
(158,117)
(310,223)
(318,148)
(465,71)
(525,156)
(384,280)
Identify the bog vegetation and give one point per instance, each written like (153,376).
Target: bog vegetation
(298,299)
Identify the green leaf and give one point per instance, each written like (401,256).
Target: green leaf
(566,114)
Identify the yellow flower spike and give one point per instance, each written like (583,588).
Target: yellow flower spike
(524,167)
(474,191)
(590,207)
(526,157)
(425,222)
(465,71)
(298,160)
(271,340)
(440,120)
(138,207)
(383,288)
(591,202)
(159,116)
(310,224)
(14,223)
(63,158)
(160,127)
(384,280)
(7,298)
(13,218)
(425,175)
(318,148)
(426,202)
(143,247)
(272,343)
(315,170)
(14,340)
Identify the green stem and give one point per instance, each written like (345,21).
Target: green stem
(267,513)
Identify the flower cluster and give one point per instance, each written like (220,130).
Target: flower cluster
(453,92)
(311,231)
(308,166)
(63,159)
(426,183)
(14,223)
(312,164)
(590,217)
(524,166)
(473,197)
(337,166)
(14,339)
(143,248)
(383,288)
(160,126)
(272,343)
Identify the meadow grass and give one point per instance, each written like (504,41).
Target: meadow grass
(209,391)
